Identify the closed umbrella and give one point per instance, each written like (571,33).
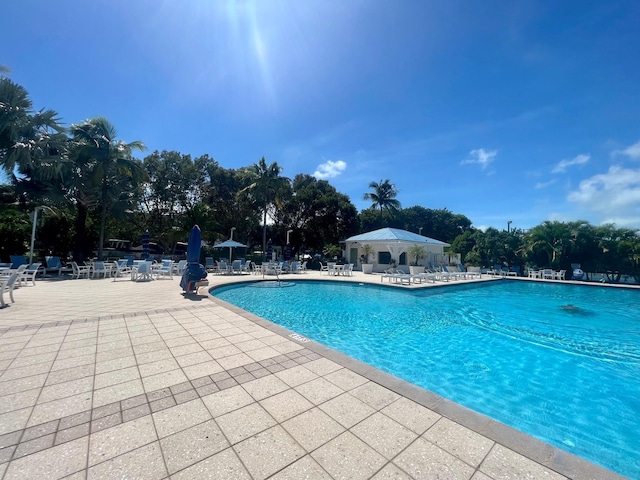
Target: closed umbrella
(287,252)
(194,271)
(145,245)
(269,250)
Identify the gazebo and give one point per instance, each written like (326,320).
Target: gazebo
(391,245)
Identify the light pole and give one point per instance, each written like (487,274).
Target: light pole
(419,230)
(33,229)
(509,222)
(288,234)
(230,251)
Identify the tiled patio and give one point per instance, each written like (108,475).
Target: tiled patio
(103,379)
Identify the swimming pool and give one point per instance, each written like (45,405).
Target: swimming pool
(559,362)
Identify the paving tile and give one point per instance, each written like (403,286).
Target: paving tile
(384,435)
(346,379)
(268,452)
(60,408)
(76,352)
(133,401)
(189,395)
(5,455)
(10,438)
(136,412)
(286,405)
(71,433)
(228,383)
(159,366)
(201,369)
(149,347)
(28,371)
(245,422)
(120,439)
(40,430)
(412,415)
(319,390)
(18,400)
(348,457)
(55,462)
(465,444)
(117,392)
(73,362)
(193,358)
(189,446)
(106,422)
(158,394)
(162,404)
(70,374)
(76,419)
(208,389)
(313,428)
(265,387)
(25,361)
(287,347)
(22,384)
(391,472)
(503,463)
(226,401)
(296,376)
(223,465)
(187,348)
(117,351)
(422,459)
(233,361)
(35,445)
(163,380)
(306,468)
(180,417)
(375,395)
(66,389)
(142,463)
(115,364)
(116,376)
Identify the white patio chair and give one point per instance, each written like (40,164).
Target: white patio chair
(100,268)
(7,284)
(80,270)
(122,268)
(7,273)
(29,274)
(165,270)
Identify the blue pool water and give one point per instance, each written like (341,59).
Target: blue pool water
(559,362)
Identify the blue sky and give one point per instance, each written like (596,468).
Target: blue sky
(500,110)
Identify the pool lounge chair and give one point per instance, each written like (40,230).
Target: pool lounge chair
(7,284)
(29,274)
(209,264)
(81,270)
(17,260)
(559,275)
(165,270)
(53,265)
(547,274)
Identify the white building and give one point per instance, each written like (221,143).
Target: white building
(391,245)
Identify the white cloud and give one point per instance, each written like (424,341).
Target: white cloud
(614,196)
(330,169)
(632,151)
(481,157)
(545,184)
(577,160)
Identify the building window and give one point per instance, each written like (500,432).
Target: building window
(384,257)
(403,259)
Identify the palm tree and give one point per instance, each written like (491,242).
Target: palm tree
(383,196)
(108,164)
(30,142)
(265,188)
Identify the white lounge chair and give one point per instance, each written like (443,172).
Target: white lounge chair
(7,284)
(21,268)
(142,271)
(80,270)
(165,269)
(29,274)
(122,268)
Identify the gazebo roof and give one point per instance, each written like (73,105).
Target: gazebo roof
(394,235)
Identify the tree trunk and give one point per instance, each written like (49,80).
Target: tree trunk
(264,233)
(103,218)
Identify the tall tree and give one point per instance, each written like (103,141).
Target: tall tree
(266,187)
(383,196)
(108,162)
(30,142)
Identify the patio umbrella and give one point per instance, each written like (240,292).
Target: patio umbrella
(269,250)
(287,252)
(194,271)
(230,244)
(145,245)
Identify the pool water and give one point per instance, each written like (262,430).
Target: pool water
(559,362)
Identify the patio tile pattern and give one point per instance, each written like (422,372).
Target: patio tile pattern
(192,388)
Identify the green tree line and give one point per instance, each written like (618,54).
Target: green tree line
(98,190)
